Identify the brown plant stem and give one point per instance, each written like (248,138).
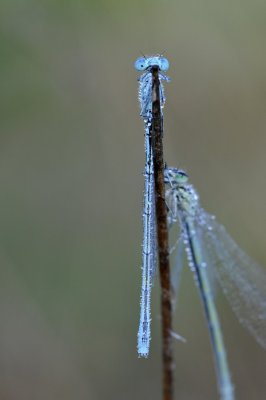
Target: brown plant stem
(162,237)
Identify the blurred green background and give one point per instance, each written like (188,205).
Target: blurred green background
(71,162)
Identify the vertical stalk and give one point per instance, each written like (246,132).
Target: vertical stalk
(162,236)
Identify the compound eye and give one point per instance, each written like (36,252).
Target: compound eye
(141,64)
(181,176)
(164,64)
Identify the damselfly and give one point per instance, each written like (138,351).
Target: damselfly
(149,245)
(212,254)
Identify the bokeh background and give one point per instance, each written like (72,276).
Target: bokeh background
(71,162)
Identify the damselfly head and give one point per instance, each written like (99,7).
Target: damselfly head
(175,176)
(144,63)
